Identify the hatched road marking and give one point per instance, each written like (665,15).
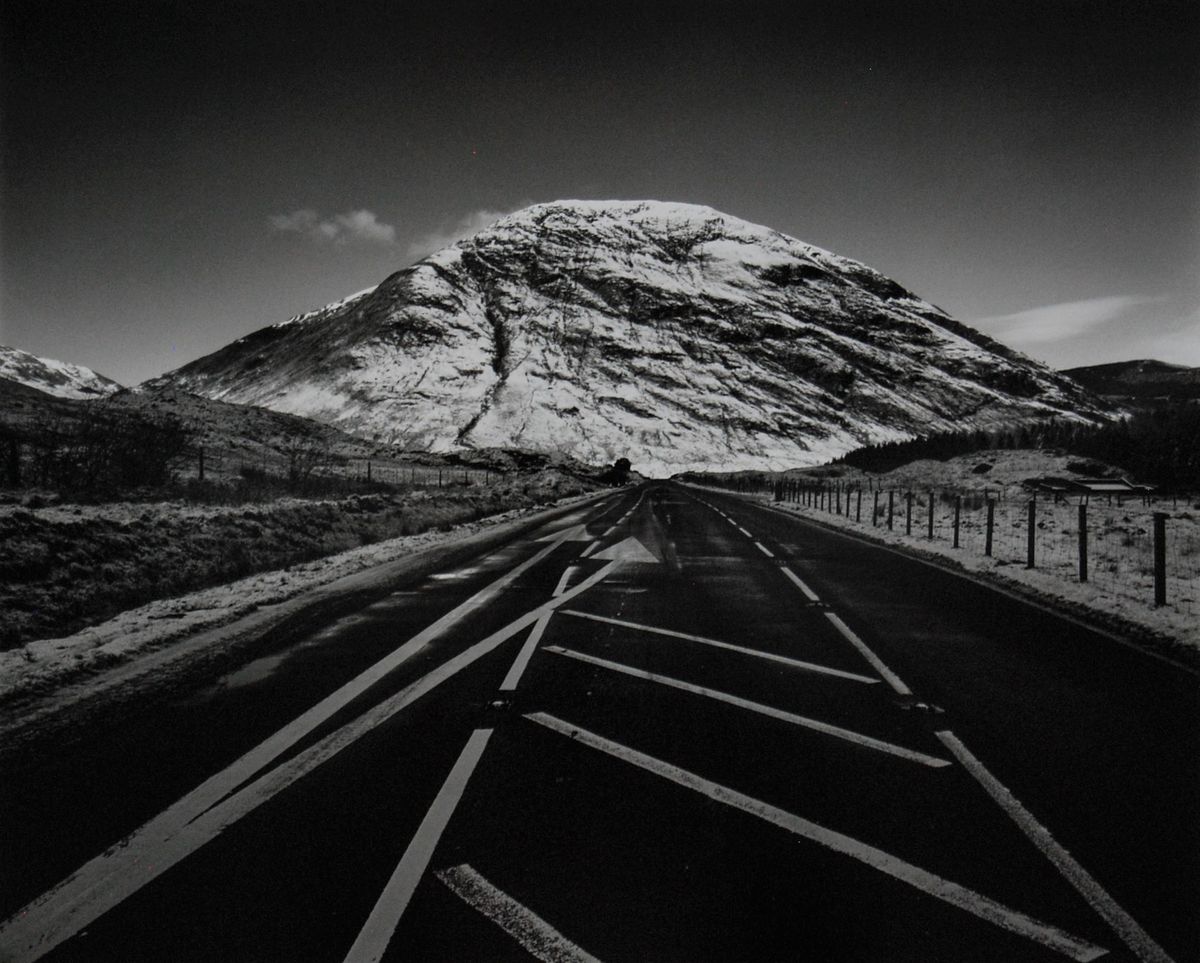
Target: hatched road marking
(823,727)
(376,934)
(670,633)
(876,663)
(1125,926)
(960,896)
(110,878)
(537,937)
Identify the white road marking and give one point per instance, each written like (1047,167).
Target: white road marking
(538,938)
(744,532)
(1125,926)
(800,584)
(837,732)
(591,548)
(376,934)
(522,660)
(115,875)
(876,663)
(770,656)
(564,580)
(762,548)
(965,899)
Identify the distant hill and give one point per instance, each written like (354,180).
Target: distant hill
(1139,379)
(56,378)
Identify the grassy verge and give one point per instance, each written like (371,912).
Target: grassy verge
(69,567)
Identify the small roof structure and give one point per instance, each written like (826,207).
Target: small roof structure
(1086,486)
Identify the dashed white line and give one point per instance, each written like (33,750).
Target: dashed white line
(800,584)
(762,548)
(757,653)
(744,532)
(538,938)
(966,899)
(1125,926)
(876,663)
(825,728)
(373,939)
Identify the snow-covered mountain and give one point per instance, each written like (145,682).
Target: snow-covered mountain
(53,377)
(671,334)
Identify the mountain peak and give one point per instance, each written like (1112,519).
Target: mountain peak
(56,378)
(672,334)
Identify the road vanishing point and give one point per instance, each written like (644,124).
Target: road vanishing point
(670,724)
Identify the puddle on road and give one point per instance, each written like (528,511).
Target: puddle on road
(252,672)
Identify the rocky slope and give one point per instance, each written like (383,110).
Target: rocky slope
(53,377)
(674,335)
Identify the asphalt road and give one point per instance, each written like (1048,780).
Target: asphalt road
(673,726)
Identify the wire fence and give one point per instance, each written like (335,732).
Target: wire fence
(217,463)
(1141,548)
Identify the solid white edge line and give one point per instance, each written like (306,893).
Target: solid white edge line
(537,937)
(800,584)
(956,895)
(1125,926)
(756,653)
(376,934)
(867,742)
(876,663)
(762,548)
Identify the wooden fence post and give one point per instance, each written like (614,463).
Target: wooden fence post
(838,488)
(875,509)
(858,506)
(1160,558)
(908,496)
(957,517)
(929,534)
(891,507)
(991,524)
(1083,546)
(1030,527)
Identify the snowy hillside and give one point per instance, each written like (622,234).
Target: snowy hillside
(671,334)
(53,377)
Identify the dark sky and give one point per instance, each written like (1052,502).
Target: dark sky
(176,174)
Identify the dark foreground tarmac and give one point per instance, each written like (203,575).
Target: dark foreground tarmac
(688,728)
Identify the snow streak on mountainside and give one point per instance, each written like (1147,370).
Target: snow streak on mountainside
(53,377)
(670,334)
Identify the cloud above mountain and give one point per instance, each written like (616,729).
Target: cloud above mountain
(467,226)
(360,226)
(1058,322)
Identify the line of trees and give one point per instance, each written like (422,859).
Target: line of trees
(1161,447)
(98,450)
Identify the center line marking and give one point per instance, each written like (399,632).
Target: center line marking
(800,584)
(956,895)
(377,932)
(1125,926)
(538,938)
(823,727)
(757,653)
(762,548)
(876,663)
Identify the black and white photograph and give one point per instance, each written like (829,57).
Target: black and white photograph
(564,480)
